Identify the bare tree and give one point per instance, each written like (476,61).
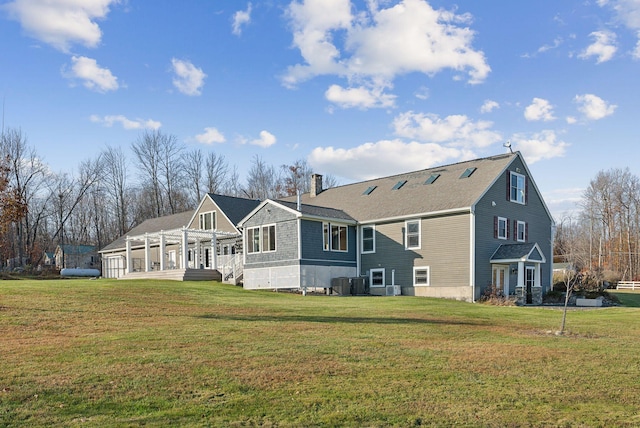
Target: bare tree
(116,182)
(193,168)
(216,170)
(148,153)
(263,181)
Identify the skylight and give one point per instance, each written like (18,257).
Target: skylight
(369,190)
(399,184)
(468,172)
(431,179)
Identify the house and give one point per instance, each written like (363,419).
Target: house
(48,258)
(193,245)
(449,231)
(77,256)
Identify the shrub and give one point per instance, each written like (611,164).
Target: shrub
(492,295)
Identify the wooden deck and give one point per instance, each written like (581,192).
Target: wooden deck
(177,275)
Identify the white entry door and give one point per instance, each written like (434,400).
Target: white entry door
(500,278)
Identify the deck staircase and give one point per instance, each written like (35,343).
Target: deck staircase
(232,270)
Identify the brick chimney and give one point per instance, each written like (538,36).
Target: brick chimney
(316,185)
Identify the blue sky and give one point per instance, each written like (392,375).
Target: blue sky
(358,88)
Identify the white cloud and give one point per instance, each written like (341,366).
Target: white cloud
(627,12)
(454,130)
(210,136)
(93,76)
(360,97)
(380,44)
(594,107)
(571,120)
(266,140)
(422,93)
(488,106)
(61,23)
(636,51)
(127,124)
(240,18)
(542,145)
(603,47)
(539,109)
(387,157)
(188,79)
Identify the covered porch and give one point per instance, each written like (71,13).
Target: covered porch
(523,260)
(179,254)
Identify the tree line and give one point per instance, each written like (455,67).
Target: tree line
(603,238)
(111,193)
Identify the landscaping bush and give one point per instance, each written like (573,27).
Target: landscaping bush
(494,296)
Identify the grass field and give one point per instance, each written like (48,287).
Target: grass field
(119,353)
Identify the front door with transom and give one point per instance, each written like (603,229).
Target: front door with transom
(501,279)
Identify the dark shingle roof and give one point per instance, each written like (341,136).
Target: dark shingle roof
(234,208)
(526,251)
(447,192)
(157,224)
(316,211)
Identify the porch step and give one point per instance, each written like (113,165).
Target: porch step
(177,275)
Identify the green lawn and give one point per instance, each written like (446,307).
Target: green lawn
(120,353)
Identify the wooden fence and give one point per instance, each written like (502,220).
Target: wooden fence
(628,285)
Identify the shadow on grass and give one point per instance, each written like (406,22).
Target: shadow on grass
(334,319)
(628,299)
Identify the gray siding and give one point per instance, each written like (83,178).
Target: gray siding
(533,213)
(312,245)
(444,248)
(286,237)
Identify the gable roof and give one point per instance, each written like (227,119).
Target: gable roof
(508,253)
(233,207)
(388,199)
(70,249)
(305,211)
(157,224)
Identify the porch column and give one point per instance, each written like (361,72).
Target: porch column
(184,244)
(536,279)
(163,243)
(214,252)
(520,274)
(197,256)
(147,253)
(129,270)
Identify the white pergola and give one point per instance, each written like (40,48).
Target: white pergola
(183,237)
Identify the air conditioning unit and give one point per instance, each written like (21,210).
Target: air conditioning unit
(393,290)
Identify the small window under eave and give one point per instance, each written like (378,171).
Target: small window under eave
(468,172)
(399,184)
(369,190)
(431,179)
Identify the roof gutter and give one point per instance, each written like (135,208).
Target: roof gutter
(463,210)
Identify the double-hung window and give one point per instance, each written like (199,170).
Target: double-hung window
(368,243)
(421,276)
(334,237)
(521,231)
(208,220)
(517,188)
(268,238)
(502,228)
(253,240)
(412,234)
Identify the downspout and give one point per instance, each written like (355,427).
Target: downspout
(472,252)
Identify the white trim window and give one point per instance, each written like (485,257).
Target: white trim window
(261,239)
(368,239)
(207,220)
(421,276)
(412,234)
(517,186)
(269,238)
(376,278)
(503,228)
(335,237)
(521,231)
(253,240)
